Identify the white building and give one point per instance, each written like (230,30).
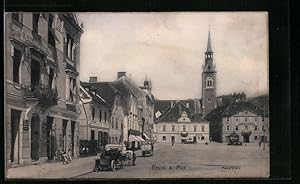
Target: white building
(178,123)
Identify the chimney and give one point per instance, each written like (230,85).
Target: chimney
(93,79)
(121,74)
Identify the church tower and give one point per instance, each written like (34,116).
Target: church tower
(209,100)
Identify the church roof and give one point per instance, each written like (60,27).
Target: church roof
(209,49)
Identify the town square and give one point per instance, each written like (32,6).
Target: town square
(136,95)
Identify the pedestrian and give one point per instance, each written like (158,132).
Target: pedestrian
(65,158)
(173,142)
(133,157)
(69,155)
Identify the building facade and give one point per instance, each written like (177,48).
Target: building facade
(42,52)
(242,118)
(180,124)
(94,117)
(209,82)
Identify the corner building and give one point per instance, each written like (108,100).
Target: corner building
(42,52)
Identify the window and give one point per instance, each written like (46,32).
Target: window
(70,48)
(236,128)
(255,128)
(246,127)
(173,128)
(16,65)
(71,92)
(209,82)
(183,128)
(202,128)
(263,119)
(227,128)
(117,123)
(255,137)
(164,128)
(51,33)
(51,84)
(246,119)
(255,119)
(100,115)
(105,117)
(209,99)
(195,128)
(16,17)
(35,22)
(112,122)
(93,113)
(227,119)
(92,134)
(164,138)
(263,128)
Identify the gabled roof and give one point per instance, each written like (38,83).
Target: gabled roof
(103,91)
(132,87)
(173,113)
(232,109)
(162,105)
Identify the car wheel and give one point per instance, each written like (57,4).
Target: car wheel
(113,165)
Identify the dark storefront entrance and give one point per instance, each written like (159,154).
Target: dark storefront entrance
(35,137)
(73,123)
(15,122)
(51,140)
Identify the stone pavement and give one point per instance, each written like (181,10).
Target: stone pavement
(53,170)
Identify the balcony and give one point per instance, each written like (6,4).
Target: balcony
(43,93)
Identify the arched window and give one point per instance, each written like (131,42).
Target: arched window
(209,82)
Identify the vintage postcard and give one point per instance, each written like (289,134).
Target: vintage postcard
(136,95)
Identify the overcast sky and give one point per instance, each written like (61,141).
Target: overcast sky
(169,48)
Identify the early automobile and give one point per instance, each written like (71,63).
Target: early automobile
(234,139)
(147,149)
(110,158)
(114,156)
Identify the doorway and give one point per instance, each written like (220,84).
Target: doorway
(73,123)
(173,138)
(15,122)
(195,139)
(246,138)
(35,137)
(51,142)
(64,134)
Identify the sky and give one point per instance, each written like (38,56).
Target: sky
(168,48)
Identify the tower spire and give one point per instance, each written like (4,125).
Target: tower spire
(209,42)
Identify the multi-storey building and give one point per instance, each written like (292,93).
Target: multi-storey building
(101,113)
(242,118)
(179,123)
(42,52)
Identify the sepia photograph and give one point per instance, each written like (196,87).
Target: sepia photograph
(136,95)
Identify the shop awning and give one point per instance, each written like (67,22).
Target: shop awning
(140,138)
(146,136)
(132,138)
